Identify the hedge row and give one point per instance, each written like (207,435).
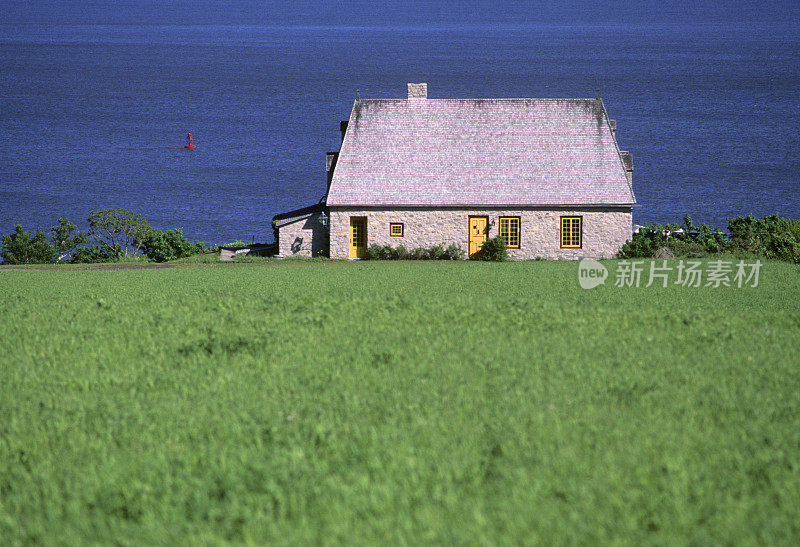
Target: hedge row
(771,237)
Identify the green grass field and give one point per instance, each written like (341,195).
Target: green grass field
(422,402)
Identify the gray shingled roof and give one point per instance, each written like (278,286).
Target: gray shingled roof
(289,217)
(485,152)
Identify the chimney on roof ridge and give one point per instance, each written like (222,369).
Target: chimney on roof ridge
(417,91)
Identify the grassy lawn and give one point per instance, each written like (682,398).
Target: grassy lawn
(302,401)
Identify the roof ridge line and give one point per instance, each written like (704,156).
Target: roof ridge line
(422,100)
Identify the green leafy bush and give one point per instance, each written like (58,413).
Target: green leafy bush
(644,242)
(494,250)
(419,253)
(690,241)
(97,253)
(651,238)
(20,248)
(435,252)
(379,252)
(44,247)
(454,252)
(400,253)
(771,237)
(161,246)
(114,235)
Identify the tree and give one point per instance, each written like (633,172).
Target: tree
(63,239)
(119,228)
(19,248)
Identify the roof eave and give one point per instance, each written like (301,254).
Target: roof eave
(288,217)
(487,205)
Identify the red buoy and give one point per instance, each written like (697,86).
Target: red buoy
(189,144)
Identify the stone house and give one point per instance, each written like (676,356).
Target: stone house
(544,174)
(300,233)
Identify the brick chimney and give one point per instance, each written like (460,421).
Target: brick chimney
(417,91)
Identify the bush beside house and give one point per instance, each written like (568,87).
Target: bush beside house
(435,252)
(772,237)
(114,234)
(117,234)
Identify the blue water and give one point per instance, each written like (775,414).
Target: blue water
(95,103)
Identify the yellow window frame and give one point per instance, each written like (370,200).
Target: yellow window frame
(571,232)
(396,229)
(509,231)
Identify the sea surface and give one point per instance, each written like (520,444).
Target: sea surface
(95,105)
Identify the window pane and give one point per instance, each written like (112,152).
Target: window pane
(514,229)
(571,232)
(509,231)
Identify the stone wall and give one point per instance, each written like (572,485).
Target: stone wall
(304,237)
(604,229)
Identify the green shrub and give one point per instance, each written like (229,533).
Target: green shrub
(640,245)
(162,246)
(420,253)
(97,253)
(711,240)
(438,252)
(400,253)
(494,250)
(683,247)
(20,248)
(693,241)
(114,235)
(454,252)
(379,252)
(435,252)
(771,237)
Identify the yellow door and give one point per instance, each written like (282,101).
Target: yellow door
(358,237)
(477,234)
